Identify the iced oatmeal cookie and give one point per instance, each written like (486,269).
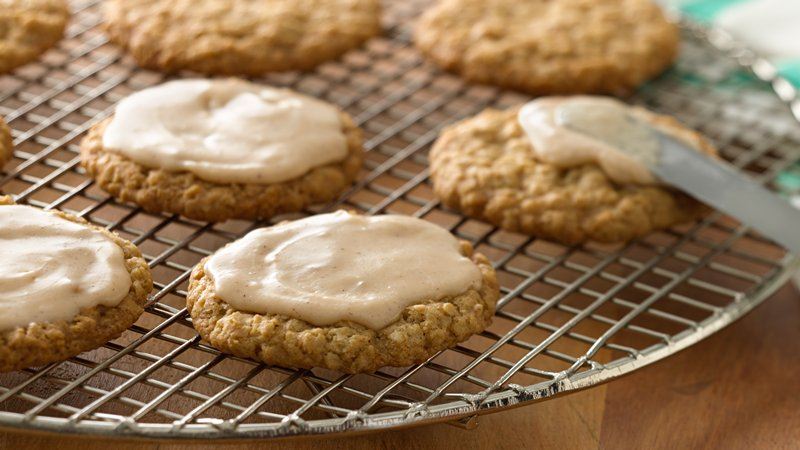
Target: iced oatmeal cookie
(343,291)
(66,286)
(214,150)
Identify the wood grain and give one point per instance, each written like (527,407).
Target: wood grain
(737,389)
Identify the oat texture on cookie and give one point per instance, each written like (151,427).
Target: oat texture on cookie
(239,37)
(352,304)
(550,46)
(486,168)
(57,258)
(28,28)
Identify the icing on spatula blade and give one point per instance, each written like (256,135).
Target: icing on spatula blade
(721,186)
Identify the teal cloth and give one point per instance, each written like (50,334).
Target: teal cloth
(705,11)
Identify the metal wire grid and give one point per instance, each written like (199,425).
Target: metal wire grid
(569,317)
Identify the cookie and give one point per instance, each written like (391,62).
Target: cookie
(485,167)
(239,37)
(6,145)
(28,28)
(267,151)
(550,46)
(354,307)
(41,339)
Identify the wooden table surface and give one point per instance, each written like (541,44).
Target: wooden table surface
(739,389)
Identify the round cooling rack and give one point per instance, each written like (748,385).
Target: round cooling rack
(569,318)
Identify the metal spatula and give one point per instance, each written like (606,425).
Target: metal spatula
(720,185)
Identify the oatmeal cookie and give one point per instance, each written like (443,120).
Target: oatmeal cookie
(42,343)
(550,46)
(28,28)
(422,329)
(6,145)
(158,190)
(485,168)
(239,37)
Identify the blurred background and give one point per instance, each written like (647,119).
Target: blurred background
(770,27)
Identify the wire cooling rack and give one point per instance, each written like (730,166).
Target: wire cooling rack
(569,317)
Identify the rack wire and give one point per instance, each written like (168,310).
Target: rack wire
(569,317)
